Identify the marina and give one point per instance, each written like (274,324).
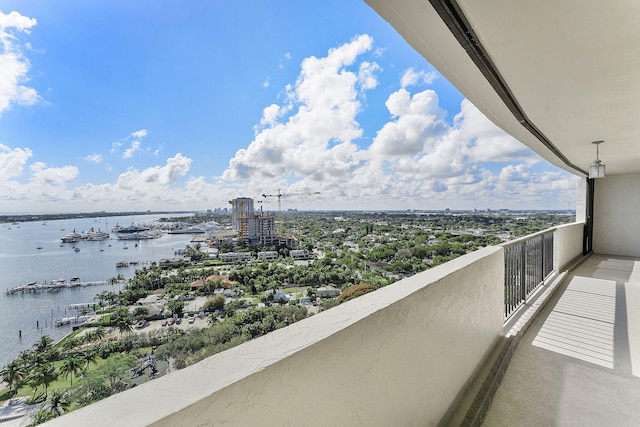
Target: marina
(54,285)
(32,300)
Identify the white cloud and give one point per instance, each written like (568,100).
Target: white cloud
(315,140)
(14,66)
(94,158)
(488,142)
(366,75)
(34,183)
(416,159)
(153,187)
(270,114)
(285,58)
(56,177)
(418,120)
(411,77)
(133,142)
(115,147)
(156,187)
(162,175)
(17,21)
(140,133)
(12,162)
(134,148)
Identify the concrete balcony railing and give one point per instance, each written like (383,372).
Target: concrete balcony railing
(403,355)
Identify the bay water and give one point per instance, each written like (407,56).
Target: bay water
(24,318)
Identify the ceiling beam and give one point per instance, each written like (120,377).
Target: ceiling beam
(453,17)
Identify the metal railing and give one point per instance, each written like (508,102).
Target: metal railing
(528,261)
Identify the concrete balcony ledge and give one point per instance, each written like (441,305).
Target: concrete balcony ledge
(399,356)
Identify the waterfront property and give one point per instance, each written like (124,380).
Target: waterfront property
(556,76)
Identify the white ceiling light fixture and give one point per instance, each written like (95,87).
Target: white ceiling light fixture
(597,168)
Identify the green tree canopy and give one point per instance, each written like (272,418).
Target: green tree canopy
(215,303)
(176,307)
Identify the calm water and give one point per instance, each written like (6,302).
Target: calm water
(21,262)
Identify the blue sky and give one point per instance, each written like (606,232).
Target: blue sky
(169,105)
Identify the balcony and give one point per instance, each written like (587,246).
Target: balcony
(556,78)
(562,329)
(407,354)
(579,362)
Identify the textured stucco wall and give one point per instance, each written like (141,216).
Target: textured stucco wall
(567,244)
(616,228)
(397,356)
(581,200)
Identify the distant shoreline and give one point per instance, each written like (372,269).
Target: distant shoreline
(9,218)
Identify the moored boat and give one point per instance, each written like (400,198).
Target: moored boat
(71,237)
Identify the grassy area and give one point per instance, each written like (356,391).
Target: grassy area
(63,382)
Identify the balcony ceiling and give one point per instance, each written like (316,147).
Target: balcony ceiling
(571,68)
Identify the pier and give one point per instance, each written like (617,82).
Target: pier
(133,262)
(34,287)
(72,320)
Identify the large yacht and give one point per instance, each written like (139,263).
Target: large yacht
(71,237)
(95,235)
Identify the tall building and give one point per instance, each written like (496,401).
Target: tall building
(241,207)
(252,228)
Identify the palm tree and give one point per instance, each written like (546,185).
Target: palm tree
(58,402)
(45,343)
(88,337)
(101,297)
(122,320)
(99,333)
(111,297)
(71,343)
(89,357)
(34,359)
(71,366)
(44,375)
(12,374)
(124,325)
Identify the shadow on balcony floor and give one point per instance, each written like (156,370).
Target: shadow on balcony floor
(579,363)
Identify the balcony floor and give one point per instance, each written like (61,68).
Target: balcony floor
(579,362)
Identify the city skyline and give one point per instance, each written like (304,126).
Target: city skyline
(171,106)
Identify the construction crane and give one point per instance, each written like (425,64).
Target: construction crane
(280,195)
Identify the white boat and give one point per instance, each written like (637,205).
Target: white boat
(71,237)
(95,235)
(140,235)
(190,230)
(29,287)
